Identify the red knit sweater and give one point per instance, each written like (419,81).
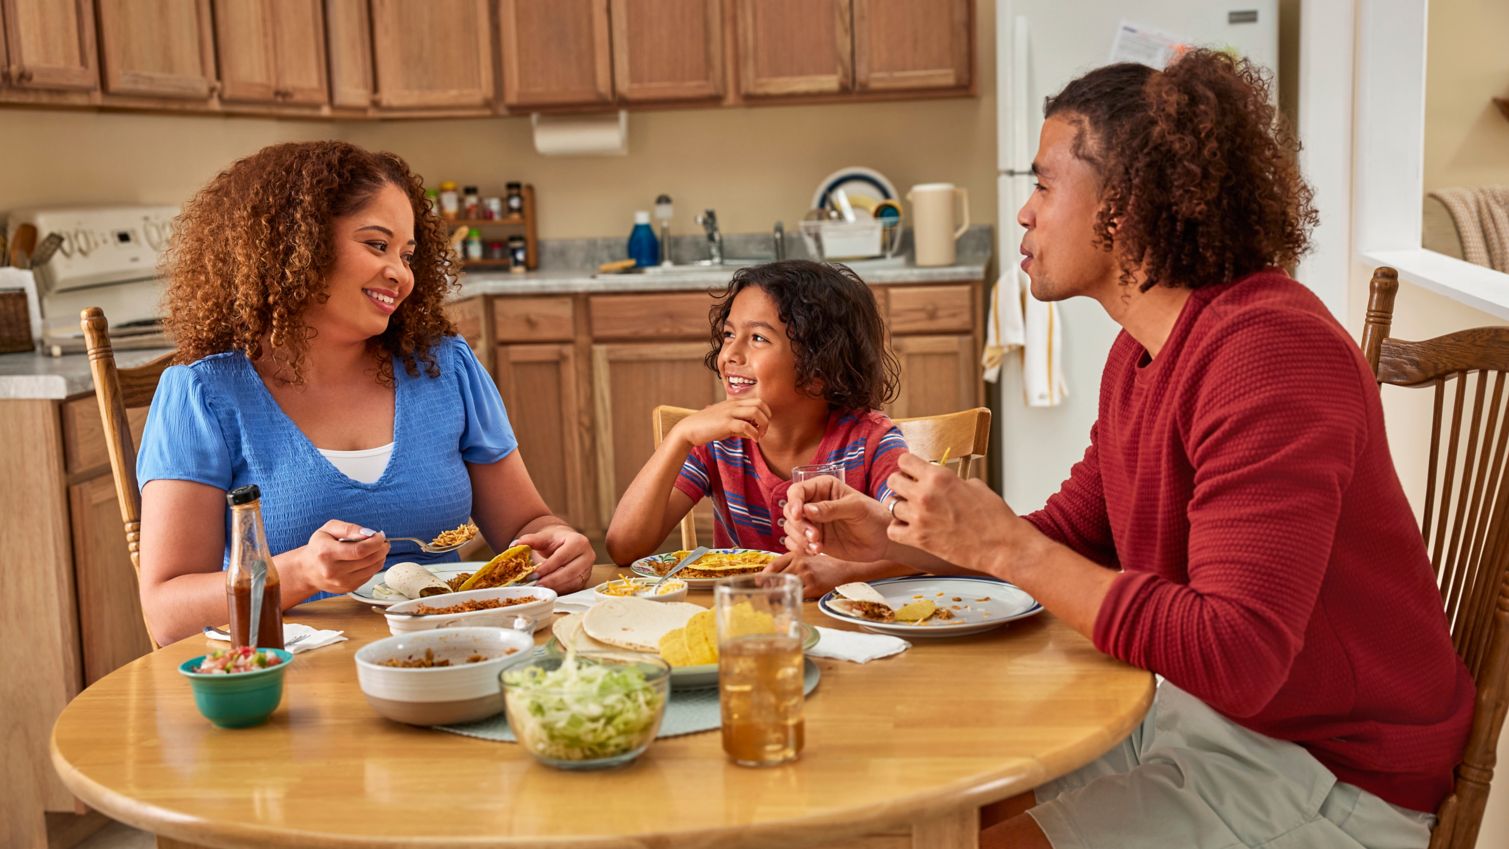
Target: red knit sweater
(1271,564)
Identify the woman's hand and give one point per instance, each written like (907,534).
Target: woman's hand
(568,557)
(827,516)
(960,521)
(745,417)
(329,565)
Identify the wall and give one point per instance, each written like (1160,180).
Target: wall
(1466,137)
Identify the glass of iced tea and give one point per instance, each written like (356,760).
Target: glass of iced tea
(760,667)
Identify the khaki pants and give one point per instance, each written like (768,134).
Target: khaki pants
(1189,777)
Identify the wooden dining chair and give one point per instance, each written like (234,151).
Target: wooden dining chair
(119,390)
(965,435)
(1464,522)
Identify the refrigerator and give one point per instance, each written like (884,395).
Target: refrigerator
(1040,46)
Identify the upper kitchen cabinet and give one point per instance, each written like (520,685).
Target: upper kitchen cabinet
(917,44)
(49,44)
(555,53)
(157,48)
(432,55)
(667,50)
(789,47)
(271,51)
(349,23)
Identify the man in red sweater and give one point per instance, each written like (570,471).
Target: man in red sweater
(1236,524)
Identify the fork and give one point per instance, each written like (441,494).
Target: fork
(220,632)
(423,546)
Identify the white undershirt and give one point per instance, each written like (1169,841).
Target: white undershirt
(366,465)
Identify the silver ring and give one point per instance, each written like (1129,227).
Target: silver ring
(891,505)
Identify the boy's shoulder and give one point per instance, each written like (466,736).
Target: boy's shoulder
(861,422)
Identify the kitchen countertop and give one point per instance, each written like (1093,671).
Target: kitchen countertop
(41,377)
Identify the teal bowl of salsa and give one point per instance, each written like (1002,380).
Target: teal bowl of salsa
(245,688)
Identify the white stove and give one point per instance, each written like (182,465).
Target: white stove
(107,258)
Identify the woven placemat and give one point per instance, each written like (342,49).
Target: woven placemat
(687,712)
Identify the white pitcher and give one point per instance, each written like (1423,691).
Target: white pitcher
(935,208)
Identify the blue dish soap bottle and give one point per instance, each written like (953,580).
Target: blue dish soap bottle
(644,248)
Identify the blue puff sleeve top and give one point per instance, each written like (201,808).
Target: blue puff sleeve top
(214,422)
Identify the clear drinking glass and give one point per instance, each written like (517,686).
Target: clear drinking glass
(760,667)
(816,470)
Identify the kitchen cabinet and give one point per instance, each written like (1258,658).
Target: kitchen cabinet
(555,52)
(667,50)
(49,45)
(158,49)
(916,45)
(939,374)
(540,386)
(791,47)
(349,27)
(271,51)
(433,55)
(112,632)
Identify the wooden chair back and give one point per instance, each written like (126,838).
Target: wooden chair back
(119,390)
(1464,522)
(964,435)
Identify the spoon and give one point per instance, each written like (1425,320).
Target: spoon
(692,557)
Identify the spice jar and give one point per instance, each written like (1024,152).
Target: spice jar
(492,208)
(474,244)
(450,201)
(495,249)
(515,198)
(471,206)
(518,254)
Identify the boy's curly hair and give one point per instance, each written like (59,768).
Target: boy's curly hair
(834,326)
(252,251)
(1199,178)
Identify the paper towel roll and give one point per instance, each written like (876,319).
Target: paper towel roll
(581,135)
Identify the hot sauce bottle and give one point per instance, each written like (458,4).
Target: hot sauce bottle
(251,582)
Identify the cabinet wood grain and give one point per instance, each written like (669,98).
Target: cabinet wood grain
(538,385)
(667,50)
(669,315)
(111,628)
(548,318)
(939,374)
(791,47)
(50,44)
(433,55)
(349,24)
(919,44)
(555,52)
(931,309)
(158,48)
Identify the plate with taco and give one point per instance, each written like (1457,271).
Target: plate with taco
(715,565)
(409,581)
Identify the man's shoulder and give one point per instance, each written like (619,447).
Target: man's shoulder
(1270,310)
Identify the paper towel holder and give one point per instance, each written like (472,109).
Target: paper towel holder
(594,135)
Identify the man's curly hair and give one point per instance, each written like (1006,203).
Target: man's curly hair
(835,329)
(1200,181)
(253,249)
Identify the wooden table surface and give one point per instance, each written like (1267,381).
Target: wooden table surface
(918,741)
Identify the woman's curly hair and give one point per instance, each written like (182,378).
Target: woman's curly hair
(1199,175)
(834,326)
(253,249)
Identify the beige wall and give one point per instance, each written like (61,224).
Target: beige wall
(1467,64)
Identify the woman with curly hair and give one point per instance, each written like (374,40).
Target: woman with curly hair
(305,287)
(1235,526)
(801,352)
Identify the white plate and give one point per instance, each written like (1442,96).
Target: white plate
(854,181)
(443,571)
(1002,603)
(646,566)
(700,677)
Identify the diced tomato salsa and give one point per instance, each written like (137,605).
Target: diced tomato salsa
(244,659)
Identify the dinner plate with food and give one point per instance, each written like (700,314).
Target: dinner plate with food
(682,634)
(715,565)
(408,581)
(929,606)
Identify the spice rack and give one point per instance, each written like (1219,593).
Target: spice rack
(509,224)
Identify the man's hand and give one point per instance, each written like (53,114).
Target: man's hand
(826,516)
(960,521)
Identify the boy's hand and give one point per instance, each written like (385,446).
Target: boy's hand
(744,417)
(819,572)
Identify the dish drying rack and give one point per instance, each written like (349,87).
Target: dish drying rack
(844,240)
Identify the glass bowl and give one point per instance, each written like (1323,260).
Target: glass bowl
(602,712)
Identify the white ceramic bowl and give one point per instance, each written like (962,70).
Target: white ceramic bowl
(538,611)
(440,695)
(678,593)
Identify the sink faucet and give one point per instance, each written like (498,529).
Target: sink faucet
(778,236)
(709,221)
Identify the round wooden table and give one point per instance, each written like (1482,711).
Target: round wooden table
(913,743)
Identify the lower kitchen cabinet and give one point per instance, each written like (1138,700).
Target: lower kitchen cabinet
(939,374)
(539,385)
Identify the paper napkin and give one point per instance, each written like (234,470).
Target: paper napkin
(856,647)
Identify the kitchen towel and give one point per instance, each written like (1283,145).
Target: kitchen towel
(854,646)
(1018,320)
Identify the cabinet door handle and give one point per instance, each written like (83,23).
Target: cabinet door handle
(23,75)
(214,87)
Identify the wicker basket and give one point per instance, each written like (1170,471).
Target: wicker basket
(15,323)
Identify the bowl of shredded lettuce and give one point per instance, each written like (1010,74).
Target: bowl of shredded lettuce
(586,710)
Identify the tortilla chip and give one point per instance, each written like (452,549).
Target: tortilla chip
(917,611)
